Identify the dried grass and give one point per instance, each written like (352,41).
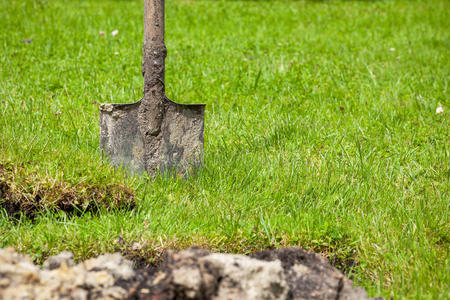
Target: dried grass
(24,193)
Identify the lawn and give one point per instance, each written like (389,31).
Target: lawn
(321,131)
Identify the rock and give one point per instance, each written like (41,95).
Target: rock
(196,274)
(19,275)
(247,278)
(56,261)
(113,264)
(60,278)
(289,273)
(310,276)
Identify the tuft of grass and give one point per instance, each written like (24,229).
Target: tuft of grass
(28,194)
(321,130)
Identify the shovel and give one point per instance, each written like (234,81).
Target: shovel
(154,134)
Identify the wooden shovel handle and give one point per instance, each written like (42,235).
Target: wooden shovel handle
(153,22)
(154,52)
(151,109)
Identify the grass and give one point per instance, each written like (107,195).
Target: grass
(28,194)
(320,131)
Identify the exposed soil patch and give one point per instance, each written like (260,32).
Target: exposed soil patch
(148,254)
(25,193)
(287,273)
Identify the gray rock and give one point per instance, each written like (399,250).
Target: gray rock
(114,264)
(56,261)
(196,274)
(246,278)
(310,276)
(289,273)
(60,278)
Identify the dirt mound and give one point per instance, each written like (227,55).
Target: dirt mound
(290,273)
(28,193)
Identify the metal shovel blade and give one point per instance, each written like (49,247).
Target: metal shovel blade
(179,147)
(154,134)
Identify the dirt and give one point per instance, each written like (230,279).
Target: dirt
(286,273)
(28,193)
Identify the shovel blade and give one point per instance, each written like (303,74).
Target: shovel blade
(179,148)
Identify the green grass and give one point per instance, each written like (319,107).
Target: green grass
(318,134)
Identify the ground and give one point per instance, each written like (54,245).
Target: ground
(323,130)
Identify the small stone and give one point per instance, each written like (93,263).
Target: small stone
(136,246)
(114,292)
(99,279)
(56,261)
(190,279)
(4,282)
(79,294)
(114,264)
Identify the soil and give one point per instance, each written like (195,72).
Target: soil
(285,273)
(26,193)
